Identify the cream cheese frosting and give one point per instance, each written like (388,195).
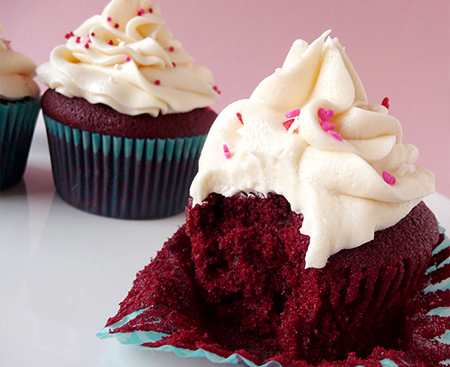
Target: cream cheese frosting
(128,59)
(308,133)
(16,73)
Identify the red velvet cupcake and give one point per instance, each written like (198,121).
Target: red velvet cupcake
(19,108)
(306,241)
(127,114)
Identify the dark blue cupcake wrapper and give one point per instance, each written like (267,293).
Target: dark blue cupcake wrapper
(120,177)
(17,123)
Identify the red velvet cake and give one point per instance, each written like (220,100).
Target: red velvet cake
(77,113)
(127,114)
(233,280)
(306,241)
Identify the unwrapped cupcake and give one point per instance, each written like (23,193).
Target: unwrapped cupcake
(19,108)
(306,242)
(127,113)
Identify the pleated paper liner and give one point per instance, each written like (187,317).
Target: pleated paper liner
(120,177)
(17,123)
(140,338)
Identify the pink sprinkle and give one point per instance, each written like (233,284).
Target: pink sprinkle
(388,178)
(239,116)
(109,19)
(287,124)
(157,82)
(89,40)
(86,45)
(110,42)
(325,115)
(116,25)
(226,151)
(128,59)
(208,108)
(171,49)
(335,135)
(385,102)
(217,89)
(78,40)
(327,125)
(140,12)
(293,113)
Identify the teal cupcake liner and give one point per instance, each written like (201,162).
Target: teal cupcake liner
(17,122)
(120,177)
(142,338)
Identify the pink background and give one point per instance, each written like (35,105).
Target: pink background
(400,49)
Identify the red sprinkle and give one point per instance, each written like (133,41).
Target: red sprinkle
(325,115)
(110,42)
(208,108)
(109,19)
(287,124)
(174,65)
(171,49)
(239,116)
(86,45)
(226,151)
(78,40)
(150,10)
(93,34)
(140,12)
(68,35)
(335,135)
(327,125)
(385,102)
(388,178)
(116,25)
(157,82)
(293,113)
(128,59)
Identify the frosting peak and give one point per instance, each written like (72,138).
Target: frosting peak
(308,133)
(127,58)
(16,73)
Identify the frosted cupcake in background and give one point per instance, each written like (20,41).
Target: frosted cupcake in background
(19,107)
(306,242)
(127,113)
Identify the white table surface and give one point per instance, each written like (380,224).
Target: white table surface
(63,273)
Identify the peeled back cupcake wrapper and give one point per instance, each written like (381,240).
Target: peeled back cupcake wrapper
(120,177)
(140,338)
(17,123)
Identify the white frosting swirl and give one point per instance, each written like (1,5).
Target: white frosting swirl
(337,185)
(127,59)
(16,73)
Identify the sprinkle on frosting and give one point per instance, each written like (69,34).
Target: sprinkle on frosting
(157,82)
(239,116)
(388,178)
(293,113)
(226,151)
(335,135)
(325,115)
(287,124)
(385,102)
